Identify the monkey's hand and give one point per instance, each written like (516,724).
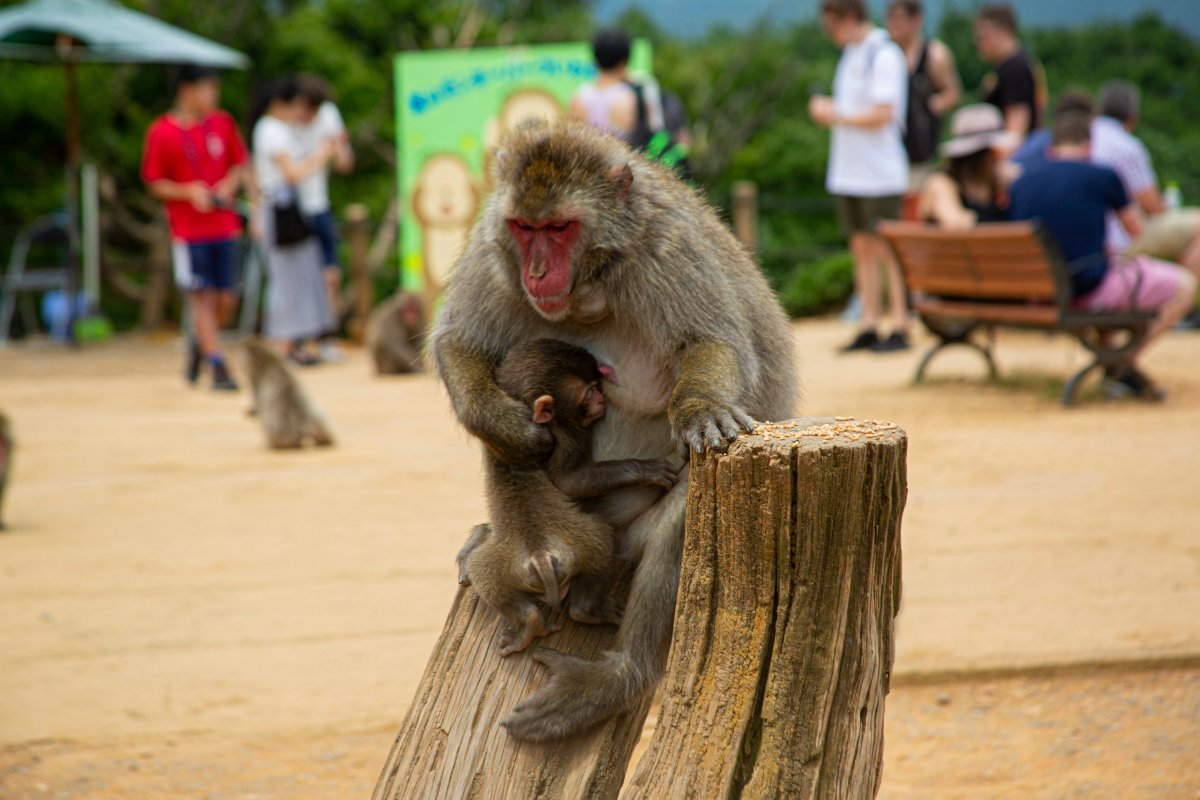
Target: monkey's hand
(511,434)
(579,695)
(503,423)
(659,472)
(699,425)
(703,412)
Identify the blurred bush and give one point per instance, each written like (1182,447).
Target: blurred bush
(818,286)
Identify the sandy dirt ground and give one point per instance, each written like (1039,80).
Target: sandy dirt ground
(184,614)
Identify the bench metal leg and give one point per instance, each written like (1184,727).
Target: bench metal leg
(1111,358)
(1068,392)
(949,333)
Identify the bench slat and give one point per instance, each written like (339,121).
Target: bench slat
(1032,315)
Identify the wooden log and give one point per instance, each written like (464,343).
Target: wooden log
(745,212)
(783,644)
(781,658)
(451,745)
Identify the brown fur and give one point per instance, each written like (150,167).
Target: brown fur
(288,417)
(540,542)
(660,291)
(395,335)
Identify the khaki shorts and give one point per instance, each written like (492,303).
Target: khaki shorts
(859,214)
(1167,235)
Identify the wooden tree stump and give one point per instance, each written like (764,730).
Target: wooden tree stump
(451,745)
(783,644)
(781,657)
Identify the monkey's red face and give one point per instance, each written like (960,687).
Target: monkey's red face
(547,254)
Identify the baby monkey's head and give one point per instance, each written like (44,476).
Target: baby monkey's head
(559,381)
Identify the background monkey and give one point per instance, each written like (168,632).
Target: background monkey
(541,544)
(394,335)
(585,241)
(6,458)
(288,417)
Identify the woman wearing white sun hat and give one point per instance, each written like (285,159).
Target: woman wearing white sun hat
(969,188)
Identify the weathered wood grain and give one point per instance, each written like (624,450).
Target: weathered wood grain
(783,642)
(781,656)
(451,745)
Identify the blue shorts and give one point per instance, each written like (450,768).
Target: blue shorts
(206,265)
(325,229)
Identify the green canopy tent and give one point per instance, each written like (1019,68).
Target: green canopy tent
(73,32)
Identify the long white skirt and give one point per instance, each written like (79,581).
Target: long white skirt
(297,301)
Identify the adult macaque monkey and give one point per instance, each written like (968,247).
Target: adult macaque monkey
(394,333)
(541,545)
(583,240)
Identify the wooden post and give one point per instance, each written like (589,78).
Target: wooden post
(356,235)
(781,658)
(783,641)
(451,745)
(745,212)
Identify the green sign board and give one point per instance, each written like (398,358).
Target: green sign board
(452,107)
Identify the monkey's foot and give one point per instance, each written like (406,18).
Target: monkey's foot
(601,610)
(712,429)
(514,639)
(579,695)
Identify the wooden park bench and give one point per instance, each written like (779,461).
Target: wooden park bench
(1007,274)
(780,660)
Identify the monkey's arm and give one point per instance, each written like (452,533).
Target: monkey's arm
(597,478)
(703,408)
(501,422)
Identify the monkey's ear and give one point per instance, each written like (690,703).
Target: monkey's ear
(543,409)
(621,178)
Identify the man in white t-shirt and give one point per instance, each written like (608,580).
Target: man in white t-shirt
(868,166)
(322,122)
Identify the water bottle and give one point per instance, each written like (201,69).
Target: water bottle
(1172,197)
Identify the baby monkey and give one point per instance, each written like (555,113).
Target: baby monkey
(540,545)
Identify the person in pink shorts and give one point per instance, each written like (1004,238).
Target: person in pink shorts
(1071,197)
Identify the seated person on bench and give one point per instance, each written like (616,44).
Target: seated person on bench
(969,188)
(1071,196)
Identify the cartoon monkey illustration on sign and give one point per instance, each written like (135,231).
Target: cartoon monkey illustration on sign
(444,202)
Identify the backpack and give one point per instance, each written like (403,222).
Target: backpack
(923,129)
(651,136)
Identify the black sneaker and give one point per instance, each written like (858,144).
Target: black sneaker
(897,341)
(302,358)
(1132,383)
(222,380)
(191,369)
(866,340)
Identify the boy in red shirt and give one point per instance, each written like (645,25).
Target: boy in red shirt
(194,163)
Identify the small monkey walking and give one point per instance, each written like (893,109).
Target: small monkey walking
(288,417)
(541,545)
(6,456)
